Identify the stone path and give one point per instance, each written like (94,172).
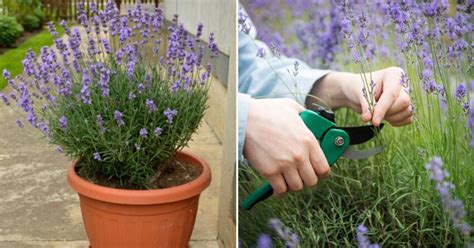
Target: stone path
(39,209)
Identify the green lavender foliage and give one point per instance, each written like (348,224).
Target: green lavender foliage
(123,112)
(128,159)
(391,193)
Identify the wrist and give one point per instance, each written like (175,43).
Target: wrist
(331,90)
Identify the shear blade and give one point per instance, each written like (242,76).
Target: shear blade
(361,134)
(354,154)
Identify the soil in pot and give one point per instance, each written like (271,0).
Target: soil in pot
(175,173)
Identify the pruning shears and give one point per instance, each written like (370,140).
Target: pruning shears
(335,142)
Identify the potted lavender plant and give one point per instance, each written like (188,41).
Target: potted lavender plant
(122,102)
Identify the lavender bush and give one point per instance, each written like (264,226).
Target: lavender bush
(391,194)
(120,93)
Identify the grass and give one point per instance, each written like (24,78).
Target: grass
(12,59)
(391,194)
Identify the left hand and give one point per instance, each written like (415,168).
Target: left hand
(341,89)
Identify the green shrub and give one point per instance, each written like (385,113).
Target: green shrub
(9,30)
(22,9)
(123,115)
(30,22)
(39,13)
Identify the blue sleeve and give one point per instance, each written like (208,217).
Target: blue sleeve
(269,77)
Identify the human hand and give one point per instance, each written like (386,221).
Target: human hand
(280,146)
(343,89)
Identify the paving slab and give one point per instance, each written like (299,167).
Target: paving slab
(83,244)
(39,209)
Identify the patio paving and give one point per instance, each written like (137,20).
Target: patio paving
(39,209)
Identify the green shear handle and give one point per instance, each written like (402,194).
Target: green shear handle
(333,141)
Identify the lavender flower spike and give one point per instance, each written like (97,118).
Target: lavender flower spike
(5,99)
(170,114)
(96,156)
(264,241)
(143,133)
(470,122)
(19,123)
(450,203)
(100,123)
(261,52)
(63,122)
(6,74)
(151,105)
(460,91)
(118,117)
(291,239)
(158,131)
(362,239)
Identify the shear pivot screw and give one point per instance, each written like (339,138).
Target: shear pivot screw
(339,141)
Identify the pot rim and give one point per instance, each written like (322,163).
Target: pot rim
(144,197)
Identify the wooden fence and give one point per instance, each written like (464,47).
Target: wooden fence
(67,9)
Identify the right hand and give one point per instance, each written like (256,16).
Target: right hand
(280,146)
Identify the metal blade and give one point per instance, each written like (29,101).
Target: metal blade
(361,134)
(355,154)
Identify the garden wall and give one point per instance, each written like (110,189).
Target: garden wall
(221,117)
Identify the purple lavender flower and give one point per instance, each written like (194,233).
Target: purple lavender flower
(450,203)
(261,52)
(119,56)
(19,123)
(63,24)
(170,114)
(44,128)
(151,105)
(199,30)
(213,46)
(264,241)
(85,92)
(158,131)
(31,118)
(175,87)
(125,31)
(52,29)
(106,44)
(356,57)
(131,68)
(141,88)
(460,91)
(118,117)
(470,122)
(204,77)
(97,156)
(246,27)
(362,239)
(5,99)
(291,239)
(296,68)
(63,122)
(6,74)
(242,17)
(346,27)
(59,149)
(466,107)
(100,123)
(131,95)
(143,133)
(104,81)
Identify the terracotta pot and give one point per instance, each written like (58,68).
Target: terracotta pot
(116,218)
